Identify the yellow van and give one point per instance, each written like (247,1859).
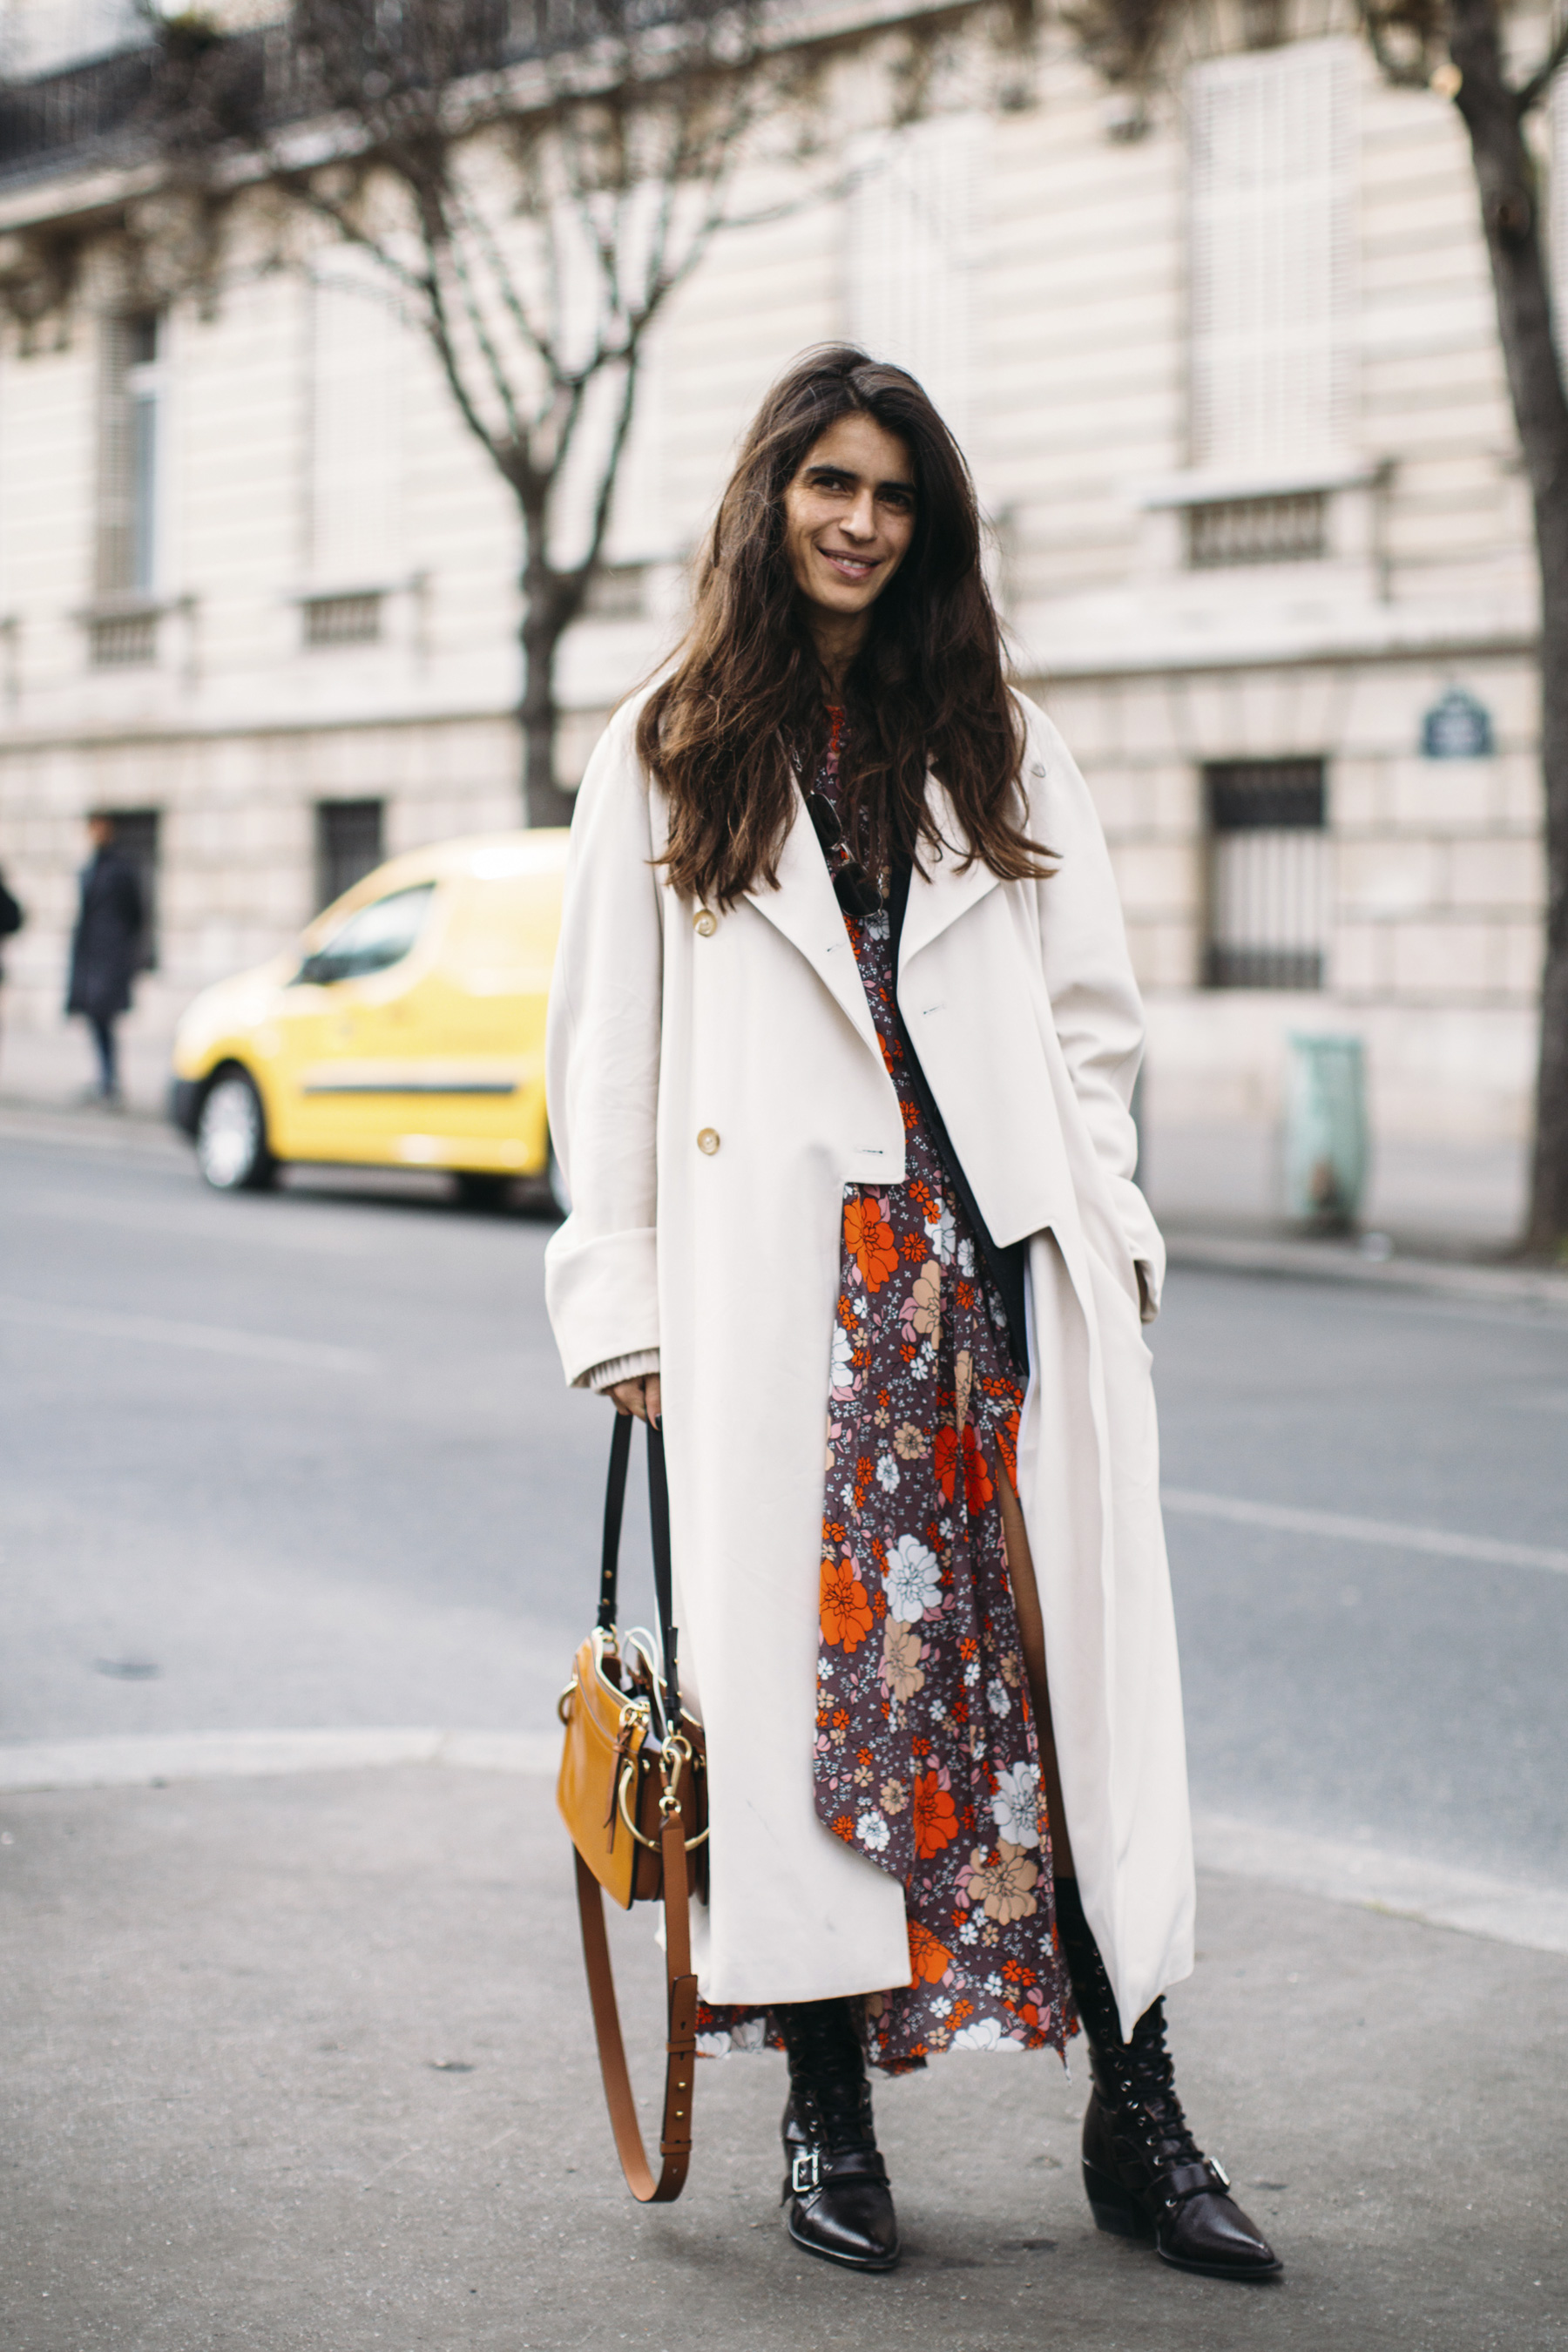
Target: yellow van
(406,1031)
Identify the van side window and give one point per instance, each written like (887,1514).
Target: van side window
(373,938)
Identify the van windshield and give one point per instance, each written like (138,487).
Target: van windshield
(373,937)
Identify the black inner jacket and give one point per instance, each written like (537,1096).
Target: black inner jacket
(1005,1266)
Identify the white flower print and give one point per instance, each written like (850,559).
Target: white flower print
(941,2006)
(996,1697)
(986,2034)
(913,1581)
(872,1831)
(825,1668)
(1015,1807)
(970,1932)
(971,1673)
(967,1260)
(942,1232)
(888,1475)
(713,2046)
(841,1378)
(752,2033)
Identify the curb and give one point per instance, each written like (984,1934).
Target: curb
(1342,1262)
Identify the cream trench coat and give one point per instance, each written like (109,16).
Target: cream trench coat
(714,1082)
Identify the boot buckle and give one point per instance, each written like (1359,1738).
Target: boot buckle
(1218,2169)
(805,2172)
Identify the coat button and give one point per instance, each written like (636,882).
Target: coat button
(704,923)
(707,1141)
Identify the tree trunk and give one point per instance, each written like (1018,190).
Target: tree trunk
(545,617)
(1510,214)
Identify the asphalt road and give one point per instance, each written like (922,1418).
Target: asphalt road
(306,1460)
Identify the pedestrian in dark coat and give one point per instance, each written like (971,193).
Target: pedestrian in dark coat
(106,948)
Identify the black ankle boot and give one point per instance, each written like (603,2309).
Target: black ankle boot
(836,2188)
(1144,2172)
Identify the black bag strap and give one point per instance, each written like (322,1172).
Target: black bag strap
(659,1523)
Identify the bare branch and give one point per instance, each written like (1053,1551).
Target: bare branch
(1533,89)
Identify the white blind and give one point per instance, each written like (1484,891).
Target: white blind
(1272,232)
(356,457)
(908,257)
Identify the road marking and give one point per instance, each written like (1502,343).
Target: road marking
(214,1338)
(1338,1529)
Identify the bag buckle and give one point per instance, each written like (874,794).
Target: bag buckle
(805,2172)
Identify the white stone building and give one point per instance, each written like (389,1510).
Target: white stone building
(1234,402)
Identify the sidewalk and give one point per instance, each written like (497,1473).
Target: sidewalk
(305,2063)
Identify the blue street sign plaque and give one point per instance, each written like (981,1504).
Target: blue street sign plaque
(1457,727)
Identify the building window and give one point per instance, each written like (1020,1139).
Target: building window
(1291,528)
(349,836)
(355,455)
(1272,231)
(352,619)
(1268,881)
(909,264)
(130,459)
(136,839)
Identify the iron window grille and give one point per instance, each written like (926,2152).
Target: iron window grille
(1270,883)
(354,620)
(136,832)
(1289,529)
(349,845)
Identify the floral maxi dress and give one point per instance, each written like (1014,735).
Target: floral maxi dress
(926,1757)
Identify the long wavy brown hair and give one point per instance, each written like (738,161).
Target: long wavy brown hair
(745,706)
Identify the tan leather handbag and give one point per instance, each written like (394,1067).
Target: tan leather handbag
(633,1792)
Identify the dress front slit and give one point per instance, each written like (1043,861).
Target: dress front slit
(926,1756)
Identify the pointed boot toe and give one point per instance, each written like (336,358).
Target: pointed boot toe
(839,2206)
(1206,2231)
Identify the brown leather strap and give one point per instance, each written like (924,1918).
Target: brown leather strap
(680,2041)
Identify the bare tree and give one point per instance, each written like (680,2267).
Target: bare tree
(537,179)
(1458,50)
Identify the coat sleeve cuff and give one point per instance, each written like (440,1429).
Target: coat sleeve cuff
(606,1376)
(601,1291)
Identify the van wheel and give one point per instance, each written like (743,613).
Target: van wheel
(475,1190)
(231,1137)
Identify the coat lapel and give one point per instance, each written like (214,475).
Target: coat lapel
(947,890)
(806,911)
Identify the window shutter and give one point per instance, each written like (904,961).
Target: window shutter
(1272,226)
(356,495)
(908,262)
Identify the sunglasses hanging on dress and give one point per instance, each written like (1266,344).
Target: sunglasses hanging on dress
(852,885)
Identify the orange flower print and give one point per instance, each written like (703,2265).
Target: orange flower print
(977,1488)
(935,1816)
(929,1959)
(868,1238)
(944,1459)
(846,1611)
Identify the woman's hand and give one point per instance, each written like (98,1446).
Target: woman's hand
(641,1397)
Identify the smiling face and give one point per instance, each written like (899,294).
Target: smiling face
(849,516)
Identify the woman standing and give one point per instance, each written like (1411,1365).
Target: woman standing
(841,1045)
